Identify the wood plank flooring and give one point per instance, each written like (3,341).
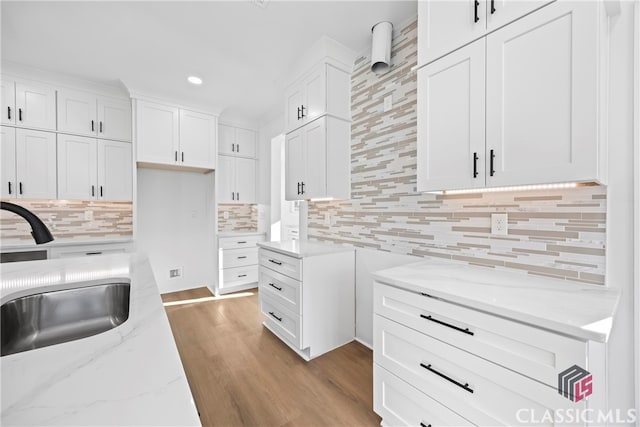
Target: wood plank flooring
(242,375)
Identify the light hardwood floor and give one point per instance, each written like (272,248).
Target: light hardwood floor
(242,375)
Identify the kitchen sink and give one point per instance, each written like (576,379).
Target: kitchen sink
(56,317)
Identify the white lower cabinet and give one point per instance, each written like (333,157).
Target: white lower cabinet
(238,262)
(439,363)
(308,299)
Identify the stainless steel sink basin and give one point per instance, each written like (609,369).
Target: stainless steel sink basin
(56,317)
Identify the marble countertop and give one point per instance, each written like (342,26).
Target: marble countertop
(31,245)
(304,248)
(239,233)
(582,311)
(130,375)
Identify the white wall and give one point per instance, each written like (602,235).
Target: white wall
(175,226)
(620,212)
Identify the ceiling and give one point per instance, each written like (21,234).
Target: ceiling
(242,51)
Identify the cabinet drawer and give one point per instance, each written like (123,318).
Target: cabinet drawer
(476,389)
(239,242)
(283,264)
(400,404)
(281,288)
(239,257)
(286,324)
(239,276)
(531,351)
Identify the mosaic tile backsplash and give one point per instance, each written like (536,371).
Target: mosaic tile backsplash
(558,233)
(241,217)
(70,220)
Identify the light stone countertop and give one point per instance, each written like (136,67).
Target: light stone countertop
(304,248)
(580,310)
(130,375)
(239,233)
(26,245)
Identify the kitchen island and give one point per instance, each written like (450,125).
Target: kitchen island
(129,375)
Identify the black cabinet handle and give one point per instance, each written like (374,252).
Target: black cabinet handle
(274,286)
(9,187)
(302,186)
(176,156)
(493,7)
(93,190)
(92,126)
(448,325)
(20,187)
(240,243)
(299,113)
(491,159)
(475,8)
(233,148)
(101,126)
(275,262)
(9,113)
(424,425)
(465,386)
(19,114)
(242,275)
(93,253)
(101,191)
(303,115)
(475,165)
(237,148)
(242,257)
(279,319)
(233,195)
(298,188)
(183,157)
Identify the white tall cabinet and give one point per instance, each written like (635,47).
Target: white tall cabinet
(236,174)
(518,106)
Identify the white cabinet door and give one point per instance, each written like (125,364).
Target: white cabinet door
(226,179)
(502,12)
(36,105)
(36,164)
(114,118)
(451,121)
(157,133)
(445,25)
(542,97)
(8,99)
(295,165)
(226,140)
(294,100)
(245,180)
(114,170)
(314,94)
(246,143)
(197,139)
(77,112)
(8,171)
(314,184)
(77,167)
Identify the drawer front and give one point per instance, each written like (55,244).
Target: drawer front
(239,276)
(281,320)
(280,288)
(478,390)
(400,404)
(534,352)
(239,242)
(283,264)
(239,257)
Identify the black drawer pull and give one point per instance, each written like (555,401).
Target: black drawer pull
(9,113)
(425,425)
(475,165)
(275,262)
(242,275)
(94,253)
(279,319)
(241,243)
(492,157)
(9,187)
(476,18)
(440,374)
(242,257)
(274,286)
(448,325)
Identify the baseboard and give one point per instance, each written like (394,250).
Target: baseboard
(366,344)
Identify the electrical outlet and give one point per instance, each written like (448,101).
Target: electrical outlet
(388,103)
(225,214)
(88,215)
(175,272)
(499,224)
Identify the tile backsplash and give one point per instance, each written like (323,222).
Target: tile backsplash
(559,233)
(240,217)
(70,220)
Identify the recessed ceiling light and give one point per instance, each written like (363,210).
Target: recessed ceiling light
(194,80)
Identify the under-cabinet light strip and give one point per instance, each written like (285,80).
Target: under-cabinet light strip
(515,188)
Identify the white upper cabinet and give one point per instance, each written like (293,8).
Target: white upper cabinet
(92,169)
(445,25)
(28,104)
(234,141)
(325,89)
(197,139)
(317,160)
(8,165)
(35,164)
(538,103)
(236,180)
(170,136)
(84,113)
